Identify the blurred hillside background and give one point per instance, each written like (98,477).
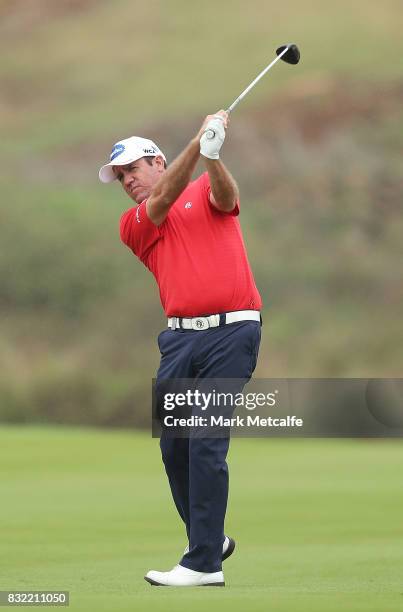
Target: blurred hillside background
(316,149)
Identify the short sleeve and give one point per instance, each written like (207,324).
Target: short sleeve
(205,184)
(138,232)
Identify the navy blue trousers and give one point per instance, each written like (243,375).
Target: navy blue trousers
(196,467)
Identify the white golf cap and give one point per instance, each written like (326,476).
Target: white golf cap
(127,151)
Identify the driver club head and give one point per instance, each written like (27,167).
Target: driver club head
(291,56)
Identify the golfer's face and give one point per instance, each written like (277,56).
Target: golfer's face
(138,178)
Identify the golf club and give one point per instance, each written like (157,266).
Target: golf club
(288,53)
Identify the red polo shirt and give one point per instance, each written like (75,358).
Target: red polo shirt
(197,254)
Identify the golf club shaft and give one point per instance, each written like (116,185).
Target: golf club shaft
(259,76)
(211,133)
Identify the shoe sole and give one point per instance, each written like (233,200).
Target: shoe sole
(154,583)
(230,549)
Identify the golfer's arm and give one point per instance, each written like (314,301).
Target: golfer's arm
(173,181)
(224,189)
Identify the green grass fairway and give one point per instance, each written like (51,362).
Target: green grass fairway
(318,523)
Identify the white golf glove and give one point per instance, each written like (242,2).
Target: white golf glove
(212,138)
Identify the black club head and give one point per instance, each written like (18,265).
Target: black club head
(292,55)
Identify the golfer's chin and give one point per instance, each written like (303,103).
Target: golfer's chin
(137,199)
(138,196)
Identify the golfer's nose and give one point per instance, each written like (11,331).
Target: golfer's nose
(127,179)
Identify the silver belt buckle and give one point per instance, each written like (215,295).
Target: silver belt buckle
(199,323)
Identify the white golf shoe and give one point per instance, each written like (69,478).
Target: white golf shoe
(182,576)
(228,548)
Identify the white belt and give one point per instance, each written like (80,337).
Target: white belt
(200,323)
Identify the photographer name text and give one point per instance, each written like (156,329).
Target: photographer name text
(236,421)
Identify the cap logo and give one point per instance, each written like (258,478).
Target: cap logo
(150,150)
(117,150)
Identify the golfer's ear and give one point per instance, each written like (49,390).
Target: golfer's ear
(159,161)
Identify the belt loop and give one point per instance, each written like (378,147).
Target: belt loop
(222,318)
(173,326)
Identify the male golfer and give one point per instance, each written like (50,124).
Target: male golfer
(188,235)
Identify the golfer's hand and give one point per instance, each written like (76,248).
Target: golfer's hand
(220,113)
(212,134)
